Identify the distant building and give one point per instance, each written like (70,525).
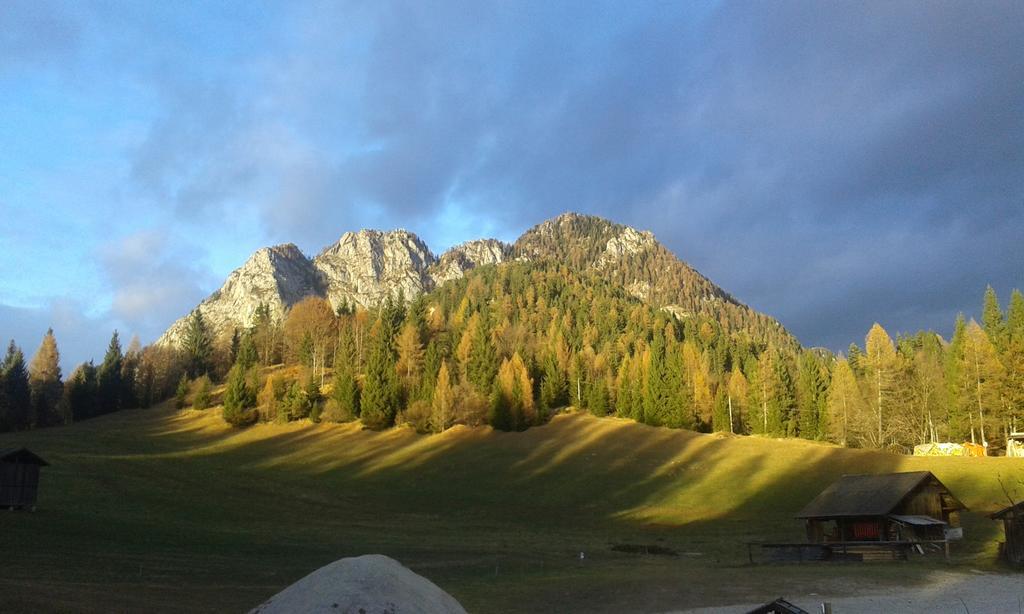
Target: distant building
(1012,550)
(891,507)
(19,478)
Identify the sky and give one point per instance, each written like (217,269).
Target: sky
(832,164)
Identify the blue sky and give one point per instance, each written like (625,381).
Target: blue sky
(832,164)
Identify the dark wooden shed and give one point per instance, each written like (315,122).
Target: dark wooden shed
(891,507)
(19,478)
(1012,550)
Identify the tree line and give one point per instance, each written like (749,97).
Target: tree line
(511,345)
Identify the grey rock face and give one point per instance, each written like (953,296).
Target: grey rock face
(369,265)
(278,276)
(454,263)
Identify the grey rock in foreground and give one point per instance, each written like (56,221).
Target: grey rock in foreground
(370,584)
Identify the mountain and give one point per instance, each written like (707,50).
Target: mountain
(367,266)
(636,261)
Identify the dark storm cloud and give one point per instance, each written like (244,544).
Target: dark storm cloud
(832,164)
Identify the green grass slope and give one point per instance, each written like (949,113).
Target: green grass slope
(159,510)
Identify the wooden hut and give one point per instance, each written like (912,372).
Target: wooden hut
(1012,550)
(891,508)
(19,478)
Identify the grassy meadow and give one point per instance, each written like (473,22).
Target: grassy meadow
(164,510)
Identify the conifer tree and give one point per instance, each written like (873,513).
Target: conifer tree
(110,376)
(181,392)
(482,360)
(380,396)
(201,393)
(45,382)
(737,392)
(982,367)
(812,397)
(554,391)
(239,399)
(442,404)
(16,391)
(845,404)
(880,359)
(345,394)
(992,319)
(81,393)
(410,358)
(197,345)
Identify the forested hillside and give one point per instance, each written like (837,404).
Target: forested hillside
(589,314)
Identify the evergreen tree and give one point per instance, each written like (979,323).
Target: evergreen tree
(246,355)
(45,382)
(201,393)
(110,377)
(345,395)
(181,392)
(16,391)
(992,319)
(554,390)
(197,345)
(812,397)
(380,397)
(81,393)
(239,399)
(482,361)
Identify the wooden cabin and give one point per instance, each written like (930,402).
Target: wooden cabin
(1012,550)
(892,507)
(19,478)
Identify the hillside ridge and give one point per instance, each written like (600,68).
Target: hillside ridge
(364,267)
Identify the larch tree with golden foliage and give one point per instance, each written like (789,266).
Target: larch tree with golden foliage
(443,402)
(880,365)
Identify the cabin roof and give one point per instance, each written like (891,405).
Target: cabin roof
(22,456)
(1011,510)
(868,495)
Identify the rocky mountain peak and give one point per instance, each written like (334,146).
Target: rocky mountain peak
(369,265)
(454,263)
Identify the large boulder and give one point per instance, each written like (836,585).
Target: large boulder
(370,584)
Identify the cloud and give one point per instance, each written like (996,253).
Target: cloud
(830,164)
(80,337)
(154,281)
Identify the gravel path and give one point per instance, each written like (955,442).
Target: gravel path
(973,593)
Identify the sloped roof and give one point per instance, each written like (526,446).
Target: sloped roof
(866,495)
(21,455)
(1012,510)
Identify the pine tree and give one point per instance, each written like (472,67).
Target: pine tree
(345,395)
(201,393)
(197,345)
(239,399)
(181,392)
(380,397)
(45,382)
(16,391)
(812,396)
(81,393)
(554,390)
(110,377)
(482,360)
(992,319)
